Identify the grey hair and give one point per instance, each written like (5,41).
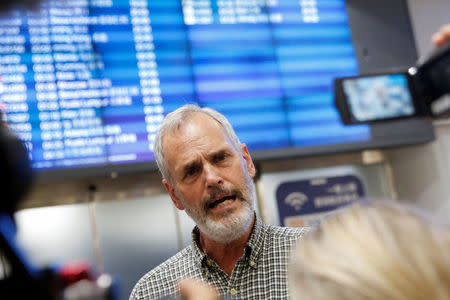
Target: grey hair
(174,120)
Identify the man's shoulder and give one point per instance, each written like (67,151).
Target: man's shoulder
(286,233)
(161,281)
(179,262)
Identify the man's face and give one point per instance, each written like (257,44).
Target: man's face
(210,178)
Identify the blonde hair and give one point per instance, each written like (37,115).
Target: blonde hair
(372,252)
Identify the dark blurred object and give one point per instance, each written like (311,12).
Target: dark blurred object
(20,279)
(6,5)
(16,168)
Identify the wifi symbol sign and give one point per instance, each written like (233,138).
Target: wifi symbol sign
(296,200)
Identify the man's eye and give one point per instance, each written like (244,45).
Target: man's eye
(190,172)
(219,157)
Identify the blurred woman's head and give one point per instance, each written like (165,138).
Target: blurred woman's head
(373,251)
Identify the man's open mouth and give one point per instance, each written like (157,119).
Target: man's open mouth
(222,201)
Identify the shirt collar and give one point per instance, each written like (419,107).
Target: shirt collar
(252,249)
(255,242)
(198,254)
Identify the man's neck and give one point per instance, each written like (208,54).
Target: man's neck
(226,255)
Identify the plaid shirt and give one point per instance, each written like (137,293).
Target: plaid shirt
(261,272)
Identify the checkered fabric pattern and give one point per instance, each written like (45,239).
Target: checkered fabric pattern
(261,273)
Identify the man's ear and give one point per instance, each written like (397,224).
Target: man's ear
(171,190)
(248,161)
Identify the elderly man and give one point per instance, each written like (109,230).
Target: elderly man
(208,173)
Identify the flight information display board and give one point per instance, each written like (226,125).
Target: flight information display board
(87,83)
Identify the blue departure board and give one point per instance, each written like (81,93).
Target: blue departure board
(87,83)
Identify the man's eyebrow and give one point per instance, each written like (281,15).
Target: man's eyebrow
(190,165)
(218,152)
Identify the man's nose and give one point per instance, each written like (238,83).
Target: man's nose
(212,175)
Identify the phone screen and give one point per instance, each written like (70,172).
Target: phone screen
(378,97)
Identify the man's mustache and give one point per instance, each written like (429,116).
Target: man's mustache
(217,191)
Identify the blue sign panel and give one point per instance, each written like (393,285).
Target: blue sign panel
(303,202)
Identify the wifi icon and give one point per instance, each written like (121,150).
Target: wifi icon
(296,200)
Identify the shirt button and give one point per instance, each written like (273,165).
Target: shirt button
(252,263)
(233,292)
(209,262)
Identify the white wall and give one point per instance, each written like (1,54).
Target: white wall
(427,16)
(422,173)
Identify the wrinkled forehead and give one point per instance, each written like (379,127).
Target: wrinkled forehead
(198,136)
(192,126)
(188,120)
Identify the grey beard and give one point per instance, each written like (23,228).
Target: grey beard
(231,227)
